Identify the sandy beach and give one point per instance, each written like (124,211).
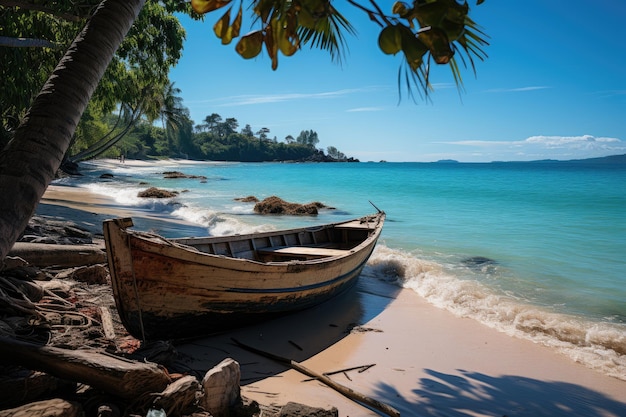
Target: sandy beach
(421,360)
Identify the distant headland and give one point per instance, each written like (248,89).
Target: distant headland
(609,160)
(612,159)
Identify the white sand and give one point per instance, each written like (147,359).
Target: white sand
(427,362)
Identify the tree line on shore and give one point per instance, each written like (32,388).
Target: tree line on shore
(221,140)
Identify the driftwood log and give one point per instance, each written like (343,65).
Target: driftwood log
(343,390)
(121,377)
(55,407)
(46,255)
(22,386)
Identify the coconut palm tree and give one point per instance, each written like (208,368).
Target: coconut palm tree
(30,160)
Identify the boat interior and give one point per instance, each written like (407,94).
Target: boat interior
(299,244)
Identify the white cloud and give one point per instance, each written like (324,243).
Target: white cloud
(365,109)
(581,142)
(246,100)
(517,90)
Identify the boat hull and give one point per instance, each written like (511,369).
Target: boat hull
(165,290)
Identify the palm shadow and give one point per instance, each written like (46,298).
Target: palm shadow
(473,393)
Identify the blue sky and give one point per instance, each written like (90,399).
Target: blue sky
(553,86)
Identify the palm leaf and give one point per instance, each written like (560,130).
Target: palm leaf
(328,34)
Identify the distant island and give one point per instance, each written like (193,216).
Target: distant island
(609,160)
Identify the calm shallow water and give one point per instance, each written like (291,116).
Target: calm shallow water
(533,250)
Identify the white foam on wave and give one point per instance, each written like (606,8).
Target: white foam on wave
(217,223)
(124,194)
(597,345)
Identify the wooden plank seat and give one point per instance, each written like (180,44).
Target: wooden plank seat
(308,252)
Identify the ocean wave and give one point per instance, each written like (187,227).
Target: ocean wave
(597,345)
(124,195)
(218,224)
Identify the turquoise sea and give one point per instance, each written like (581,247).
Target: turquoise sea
(535,250)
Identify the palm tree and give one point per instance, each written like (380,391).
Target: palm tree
(29,162)
(149,102)
(173,114)
(211,122)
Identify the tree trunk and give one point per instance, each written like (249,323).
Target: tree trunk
(118,376)
(29,162)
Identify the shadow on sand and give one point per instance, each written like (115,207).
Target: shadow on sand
(297,336)
(470,394)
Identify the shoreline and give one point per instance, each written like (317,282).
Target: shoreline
(426,360)
(89,210)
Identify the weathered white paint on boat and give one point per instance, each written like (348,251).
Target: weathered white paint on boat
(182,288)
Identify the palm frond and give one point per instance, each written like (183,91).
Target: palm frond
(328,34)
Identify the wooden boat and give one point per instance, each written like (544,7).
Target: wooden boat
(186,288)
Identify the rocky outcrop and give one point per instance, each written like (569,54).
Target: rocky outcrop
(248,199)
(154,192)
(42,230)
(178,174)
(276,205)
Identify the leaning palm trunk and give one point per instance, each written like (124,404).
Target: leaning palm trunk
(106,142)
(29,162)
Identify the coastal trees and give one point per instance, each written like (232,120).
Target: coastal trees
(31,44)
(421,31)
(263,133)
(308,138)
(30,160)
(210,122)
(139,68)
(335,153)
(247,131)
(133,86)
(175,119)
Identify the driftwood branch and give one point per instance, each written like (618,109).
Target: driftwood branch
(124,378)
(345,391)
(361,369)
(107,323)
(45,255)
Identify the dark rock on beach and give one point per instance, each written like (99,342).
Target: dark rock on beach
(178,174)
(248,199)
(478,261)
(41,230)
(154,192)
(276,205)
(480,264)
